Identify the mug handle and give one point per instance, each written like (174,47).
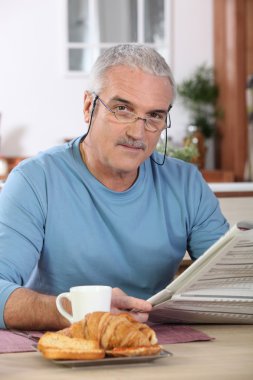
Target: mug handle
(60,307)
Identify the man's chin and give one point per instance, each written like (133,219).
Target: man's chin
(127,166)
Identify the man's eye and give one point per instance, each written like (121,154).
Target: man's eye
(156,115)
(121,109)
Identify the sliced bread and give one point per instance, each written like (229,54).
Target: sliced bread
(57,346)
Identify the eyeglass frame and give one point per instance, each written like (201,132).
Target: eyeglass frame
(167,126)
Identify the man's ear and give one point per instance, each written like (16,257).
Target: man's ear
(87,107)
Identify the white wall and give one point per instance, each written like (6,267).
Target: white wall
(192,46)
(40,106)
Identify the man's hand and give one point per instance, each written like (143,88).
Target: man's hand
(137,307)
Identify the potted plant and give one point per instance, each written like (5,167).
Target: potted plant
(188,153)
(199,94)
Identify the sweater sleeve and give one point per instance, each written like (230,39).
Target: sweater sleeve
(22,219)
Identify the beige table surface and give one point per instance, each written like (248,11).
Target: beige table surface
(229,356)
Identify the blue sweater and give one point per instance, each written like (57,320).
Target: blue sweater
(60,227)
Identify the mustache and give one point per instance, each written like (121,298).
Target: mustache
(132,143)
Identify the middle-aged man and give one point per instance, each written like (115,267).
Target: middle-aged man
(104,208)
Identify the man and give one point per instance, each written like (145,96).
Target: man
(103,209)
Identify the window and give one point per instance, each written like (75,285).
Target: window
(94,25)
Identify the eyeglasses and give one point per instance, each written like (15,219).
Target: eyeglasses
(157,122)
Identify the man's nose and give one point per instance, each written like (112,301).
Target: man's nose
(136,129)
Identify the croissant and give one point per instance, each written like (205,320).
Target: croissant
(117,330)
(118,334)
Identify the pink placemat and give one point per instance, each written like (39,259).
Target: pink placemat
(167,333)
(18,341)
(24,341)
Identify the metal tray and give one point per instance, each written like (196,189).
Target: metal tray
(110,360)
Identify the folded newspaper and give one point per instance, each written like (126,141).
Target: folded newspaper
(216,288)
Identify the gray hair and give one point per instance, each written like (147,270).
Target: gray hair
(134,55)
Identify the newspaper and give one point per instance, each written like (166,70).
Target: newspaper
(216,288)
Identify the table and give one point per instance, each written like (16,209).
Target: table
(228,357)
(236,209)
(234,189)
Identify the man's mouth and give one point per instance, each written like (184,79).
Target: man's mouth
(131,147)
(134,145)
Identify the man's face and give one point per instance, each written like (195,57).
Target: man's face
(110,140)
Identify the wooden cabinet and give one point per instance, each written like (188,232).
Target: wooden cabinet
(233,57)
(218,175)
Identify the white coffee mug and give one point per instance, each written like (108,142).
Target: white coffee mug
(85,299)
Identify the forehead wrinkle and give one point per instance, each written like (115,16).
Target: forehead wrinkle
(125,101)
(122,100)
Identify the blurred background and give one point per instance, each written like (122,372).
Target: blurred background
(48,46)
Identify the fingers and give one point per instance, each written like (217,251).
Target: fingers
(137,307)
(140,317)
(118,292)
(128,303)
